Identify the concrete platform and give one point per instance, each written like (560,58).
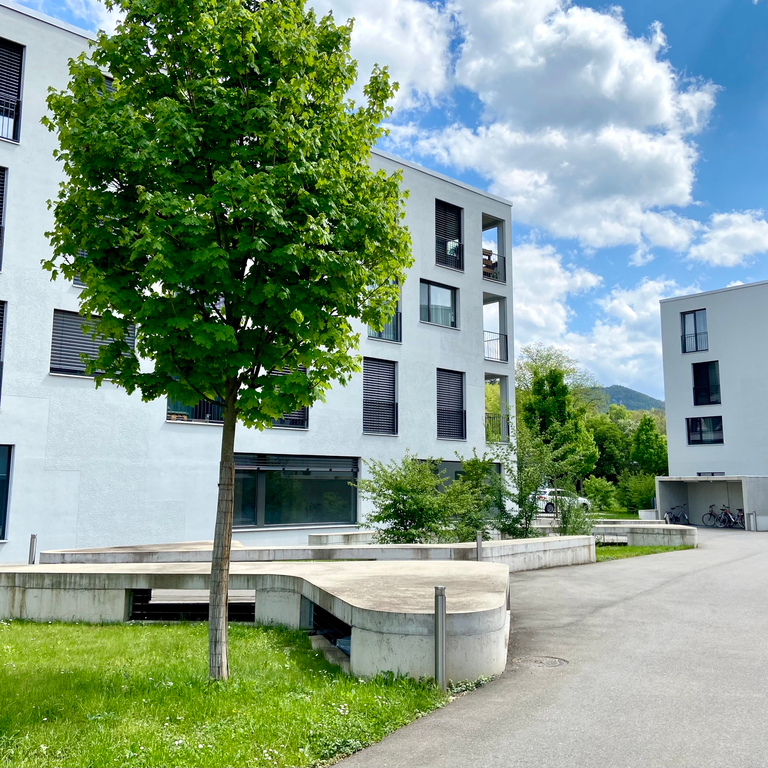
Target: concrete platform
(516,554)
(388,605)
(649,534)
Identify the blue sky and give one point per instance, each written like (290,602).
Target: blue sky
(632,138)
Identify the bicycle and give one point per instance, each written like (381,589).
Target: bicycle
(726,519)
(677,517)
(710,518)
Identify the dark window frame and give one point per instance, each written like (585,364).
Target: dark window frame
(706,387)
(255,468)
(449,235)
(3,206)
(12,55)
(695,426)
(699,339)
(451,421)
(379,396)
(6,463)
(428,306)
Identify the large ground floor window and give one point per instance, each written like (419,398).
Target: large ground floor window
(5,479)
(294,490)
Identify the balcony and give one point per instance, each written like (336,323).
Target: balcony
(494,266)
(709,395)
(379,417)
(451,424)
(495,346)
(204,411)
(449,253)
(392,331)
(298,419)
(10,114)
(496,428)
(695,342)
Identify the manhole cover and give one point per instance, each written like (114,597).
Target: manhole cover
(539,661)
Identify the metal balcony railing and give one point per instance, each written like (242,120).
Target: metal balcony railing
(451,424)
(204,411)
(494,266)
(495,346)
(496,428)
(379,417)
(298,419)
(392,331)
(10,118)
(707,395)
(449,253)
(695,342)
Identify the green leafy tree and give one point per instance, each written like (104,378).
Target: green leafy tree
(601,494)
(649,448)
(409,503)
(218,197)
(547,406)
(636,491)
(613,445)
(525,465)
(485,495)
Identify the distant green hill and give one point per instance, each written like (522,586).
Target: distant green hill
(631,399)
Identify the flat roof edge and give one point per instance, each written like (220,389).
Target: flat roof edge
(714,290)
(711,478)
(441,176)
(32,13)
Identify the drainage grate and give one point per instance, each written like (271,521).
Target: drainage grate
(539,661)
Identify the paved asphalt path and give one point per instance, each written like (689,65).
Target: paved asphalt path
(667,666)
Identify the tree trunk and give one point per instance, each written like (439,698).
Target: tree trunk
(218,602)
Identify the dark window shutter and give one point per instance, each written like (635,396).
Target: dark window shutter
(451,417)
(298,419)
(10,89)
(3,176)
(69,342)
(379,396)
(2,323)
(447,221)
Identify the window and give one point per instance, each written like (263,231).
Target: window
(694,326)
(10,89)
(379,396)
(707,430)
(710,474)
(3,182)
(72,337)
(5,481)
(438,304)
(706,383)
(451,416)
(449,250)
(2,328)
(298,419)
(205,411)
(294,490)
(392,330)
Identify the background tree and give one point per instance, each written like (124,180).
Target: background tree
(613,445)
(649,448)
(219,198)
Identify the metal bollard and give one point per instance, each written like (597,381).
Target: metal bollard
(440,638)
(751,521)
(479,540)
(32,548)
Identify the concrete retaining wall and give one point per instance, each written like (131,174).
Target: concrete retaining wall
(517,554)
(650,534)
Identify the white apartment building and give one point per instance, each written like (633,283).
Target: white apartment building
(85,467)
(713,345)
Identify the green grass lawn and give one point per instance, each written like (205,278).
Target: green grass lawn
(620,551)
(617,515)
(138,695)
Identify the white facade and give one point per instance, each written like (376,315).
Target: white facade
(95,467)
(714,351)
(736,319)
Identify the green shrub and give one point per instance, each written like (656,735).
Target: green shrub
(601,494)
(574,519)
(636,491)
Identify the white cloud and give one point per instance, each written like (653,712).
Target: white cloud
(587,128)
(641,256)
(622,345)
(413,38)
(730,239)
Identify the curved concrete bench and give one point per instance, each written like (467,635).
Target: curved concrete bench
(517,554)
(389,606)
(650,534)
